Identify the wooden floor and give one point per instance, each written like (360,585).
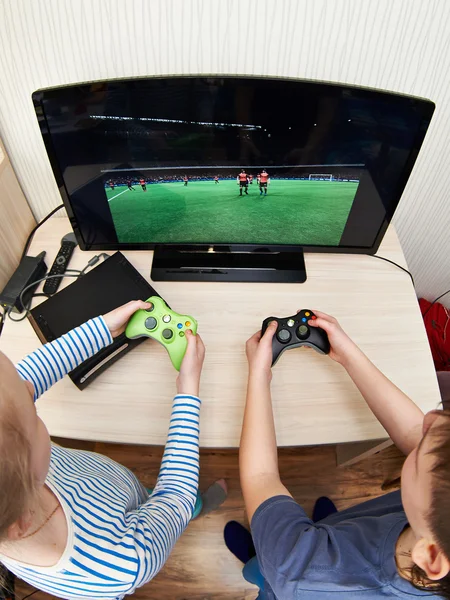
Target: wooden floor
(200,567)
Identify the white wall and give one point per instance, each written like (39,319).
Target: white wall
(399,45)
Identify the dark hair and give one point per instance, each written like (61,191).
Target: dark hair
(437,517)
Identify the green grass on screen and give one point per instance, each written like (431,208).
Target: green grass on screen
(293,212)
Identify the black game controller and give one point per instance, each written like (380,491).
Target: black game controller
(294,331)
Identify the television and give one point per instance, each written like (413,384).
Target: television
(230,178)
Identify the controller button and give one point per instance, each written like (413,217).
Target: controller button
(150,308)
(167,334)
(188,323)
(167,318)
(151,323)
(284,335)
(181,333)
(303,332)
(179,325)
(307,313)
(304,320)
(291,323)
(314,317)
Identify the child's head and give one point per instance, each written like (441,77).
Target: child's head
(24,452)
(426,500)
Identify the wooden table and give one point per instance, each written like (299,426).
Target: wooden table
(314,400)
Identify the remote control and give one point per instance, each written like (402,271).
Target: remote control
(59,266)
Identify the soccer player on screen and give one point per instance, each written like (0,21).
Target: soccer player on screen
(216,179)
(242,181)
(111,184)
(185,179)
(143,184)
(130,185)
(250,179)
(264,181)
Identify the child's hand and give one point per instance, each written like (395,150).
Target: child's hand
(342,347)
(188,381)
(117,319)
(259,351)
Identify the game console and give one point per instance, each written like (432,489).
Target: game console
(295,331)
(165,326)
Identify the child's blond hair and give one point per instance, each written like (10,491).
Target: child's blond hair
(17,483)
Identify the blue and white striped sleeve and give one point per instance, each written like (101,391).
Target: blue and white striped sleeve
(166,514)
(51,362)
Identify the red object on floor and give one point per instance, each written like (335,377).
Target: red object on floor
(437,324)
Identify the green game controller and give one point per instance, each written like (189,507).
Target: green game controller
(163,325)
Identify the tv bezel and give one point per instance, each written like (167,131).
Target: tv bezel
(359,92)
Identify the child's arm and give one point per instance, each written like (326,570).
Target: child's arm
(258,458)
(166,514)
(398,414)
(47,365)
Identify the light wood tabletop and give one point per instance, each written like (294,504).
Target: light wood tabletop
(314,400)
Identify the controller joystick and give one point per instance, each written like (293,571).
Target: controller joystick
(293,332)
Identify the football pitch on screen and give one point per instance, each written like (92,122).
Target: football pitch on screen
(293,212)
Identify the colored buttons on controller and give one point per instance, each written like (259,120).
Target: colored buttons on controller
(151,323)
(303,332)
(188,323)
(167,318)
(181,333)
(167,334)
(150,308)
(291,323)
(304,319)
(307,314)
(284,335)
(179,325)
(313,318)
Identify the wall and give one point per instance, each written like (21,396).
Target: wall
(399,45)
(16,219)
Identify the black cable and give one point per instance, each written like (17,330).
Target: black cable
(32,594)
(33,231)
(395,264)
(40,281)
(434,302)
(75,273)
(2,319)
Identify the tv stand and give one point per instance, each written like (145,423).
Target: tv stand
(226,263)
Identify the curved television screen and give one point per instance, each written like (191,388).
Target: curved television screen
(230,161)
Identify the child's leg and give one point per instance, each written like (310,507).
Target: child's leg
(252,573)
(323,508)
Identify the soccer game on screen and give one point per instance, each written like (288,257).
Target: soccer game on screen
(250,167)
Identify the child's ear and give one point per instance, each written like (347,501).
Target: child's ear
(427,555)
(19,528)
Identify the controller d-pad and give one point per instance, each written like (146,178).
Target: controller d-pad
(284,336)
(151,323)
(167,334)
(303,332)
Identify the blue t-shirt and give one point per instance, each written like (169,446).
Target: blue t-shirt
(350,554)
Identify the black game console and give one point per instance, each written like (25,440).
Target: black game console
(113,283)
(295,331)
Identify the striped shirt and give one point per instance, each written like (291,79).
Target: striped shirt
(119,536)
